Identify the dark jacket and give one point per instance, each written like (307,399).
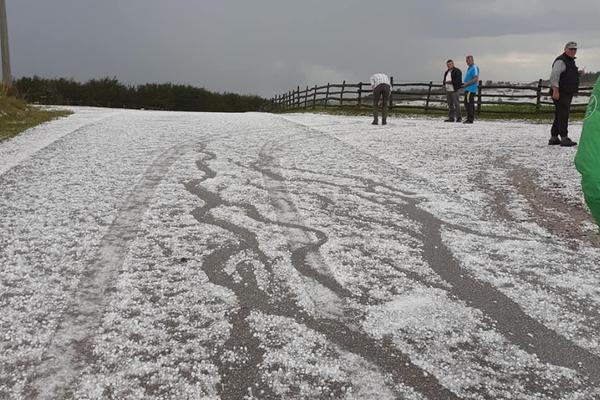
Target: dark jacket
(456,78)
(569,79)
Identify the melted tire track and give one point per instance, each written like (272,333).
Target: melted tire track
(517,326)
(370,185)
(238,377)
(71,347)
(240,358)
(306,257)
(381,353)
(212,200)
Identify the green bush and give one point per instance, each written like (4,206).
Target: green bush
(109,92)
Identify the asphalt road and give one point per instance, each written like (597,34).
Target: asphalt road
(153,255)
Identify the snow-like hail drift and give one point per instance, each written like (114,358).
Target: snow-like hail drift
(163,255)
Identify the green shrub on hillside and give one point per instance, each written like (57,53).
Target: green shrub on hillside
(111,93)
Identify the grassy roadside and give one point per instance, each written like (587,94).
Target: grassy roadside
(501,112)
(16,116)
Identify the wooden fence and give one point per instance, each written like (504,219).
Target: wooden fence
(511,98)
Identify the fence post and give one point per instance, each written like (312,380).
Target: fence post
(428,97)
(327,95)
(359,93)
(314,105)
(538,101)
(306,98)
(391,105)
(342,93)
(298,98)
(479,97)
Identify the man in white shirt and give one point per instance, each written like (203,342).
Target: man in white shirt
(382,88)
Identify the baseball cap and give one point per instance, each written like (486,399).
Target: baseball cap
(571,45)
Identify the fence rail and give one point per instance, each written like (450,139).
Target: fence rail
(427,96)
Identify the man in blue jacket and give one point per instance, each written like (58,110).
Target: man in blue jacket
(470,86)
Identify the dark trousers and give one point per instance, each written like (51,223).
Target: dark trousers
(562,108)
(470,105)
(381,92)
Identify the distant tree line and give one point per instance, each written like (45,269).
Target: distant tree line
(109,92)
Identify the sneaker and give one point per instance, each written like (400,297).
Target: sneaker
(553,141)
(449,120)
(384,123)
(459,120)
(467,122)
(566,142)
(375,123)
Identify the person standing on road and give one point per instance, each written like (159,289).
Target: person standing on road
(470,86)
(564,83)
(382,88)
(452,83)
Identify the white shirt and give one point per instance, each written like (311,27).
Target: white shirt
(448,81)
(378,79)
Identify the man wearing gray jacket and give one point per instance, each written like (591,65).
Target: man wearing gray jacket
(564,83)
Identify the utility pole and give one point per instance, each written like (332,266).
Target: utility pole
(6,75)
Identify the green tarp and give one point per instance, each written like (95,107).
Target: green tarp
(587,159)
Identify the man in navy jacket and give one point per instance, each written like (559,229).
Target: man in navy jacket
(564,82)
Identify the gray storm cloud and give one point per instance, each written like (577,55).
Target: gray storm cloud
(269,46)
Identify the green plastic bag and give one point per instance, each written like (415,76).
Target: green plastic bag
(587,159)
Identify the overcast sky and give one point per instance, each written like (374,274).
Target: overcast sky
(269,46)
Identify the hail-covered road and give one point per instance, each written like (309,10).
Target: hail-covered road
(155,255)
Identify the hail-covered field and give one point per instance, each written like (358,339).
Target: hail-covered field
(155,255)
